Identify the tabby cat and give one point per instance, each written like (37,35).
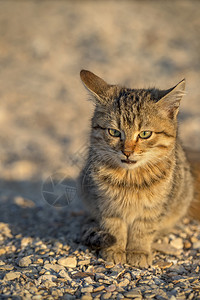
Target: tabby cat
(136,182)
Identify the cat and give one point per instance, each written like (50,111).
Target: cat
(136,182)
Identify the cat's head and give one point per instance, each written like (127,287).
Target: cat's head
(132,127)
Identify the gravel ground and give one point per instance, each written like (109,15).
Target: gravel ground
(42,258)
(44,120)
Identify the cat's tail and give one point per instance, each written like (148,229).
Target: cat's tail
(194,159)
(95,238)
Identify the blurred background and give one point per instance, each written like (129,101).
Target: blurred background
(44,112)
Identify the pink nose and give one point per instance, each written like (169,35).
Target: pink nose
(127,153)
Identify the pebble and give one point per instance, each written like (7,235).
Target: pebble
(12,275)
(2,251)
(88,280)
(84,262)
(163,264)
(65,275)
(187,245)
(196,245)
(26,241)
(83,274)
(109,265)
(46,278)
(87,296)
(133,294)
(99,288)
(56,268)
(177,243)
(123,283)
(24,261)
(6,267)
(111,288)
(69,262)
(88,289)
(106,296)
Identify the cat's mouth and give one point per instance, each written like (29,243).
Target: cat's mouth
(128,161)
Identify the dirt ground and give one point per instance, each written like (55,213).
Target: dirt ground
(44,112)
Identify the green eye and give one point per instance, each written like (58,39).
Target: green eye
(114,132)
(145,134)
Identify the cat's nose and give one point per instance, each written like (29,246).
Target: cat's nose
(127,153)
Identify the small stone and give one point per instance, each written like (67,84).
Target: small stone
(183,235)
(12,276)
(123,283)
(111,288)
(163,264)
(5,230)
(56,268)
(24,261)
(84,262)
(87,289)
(172,297)
(23,202)
(69,262)
(49,284)
(88,280)
(90,269)
(86,297)
(194,239)
(106,296)
(99,276)
(109,265)
(187,245)
(120,296)
(39,261)
(6,267)
(25,241)
(133,294)
(196,245)
(65,275)
(46,278)
(197,269)
(128,276)
(2,251)
(177,243)
(83,275)
(69,290)
(99,288)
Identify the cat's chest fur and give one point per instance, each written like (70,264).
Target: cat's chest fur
(132,194)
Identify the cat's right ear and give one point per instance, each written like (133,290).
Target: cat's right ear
(97,87)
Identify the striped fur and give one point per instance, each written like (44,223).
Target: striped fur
(135,188)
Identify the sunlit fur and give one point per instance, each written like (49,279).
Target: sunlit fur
(137,201)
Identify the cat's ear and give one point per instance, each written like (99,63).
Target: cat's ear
(96,86)
(170,99)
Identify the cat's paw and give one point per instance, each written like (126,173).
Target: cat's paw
(139,259)
(114,255)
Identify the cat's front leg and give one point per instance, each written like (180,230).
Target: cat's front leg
(117,228)
(140,238)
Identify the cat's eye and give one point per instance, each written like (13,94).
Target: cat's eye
(145,134)
(114,132)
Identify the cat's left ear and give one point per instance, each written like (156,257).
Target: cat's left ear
(97,87)
(170,101)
